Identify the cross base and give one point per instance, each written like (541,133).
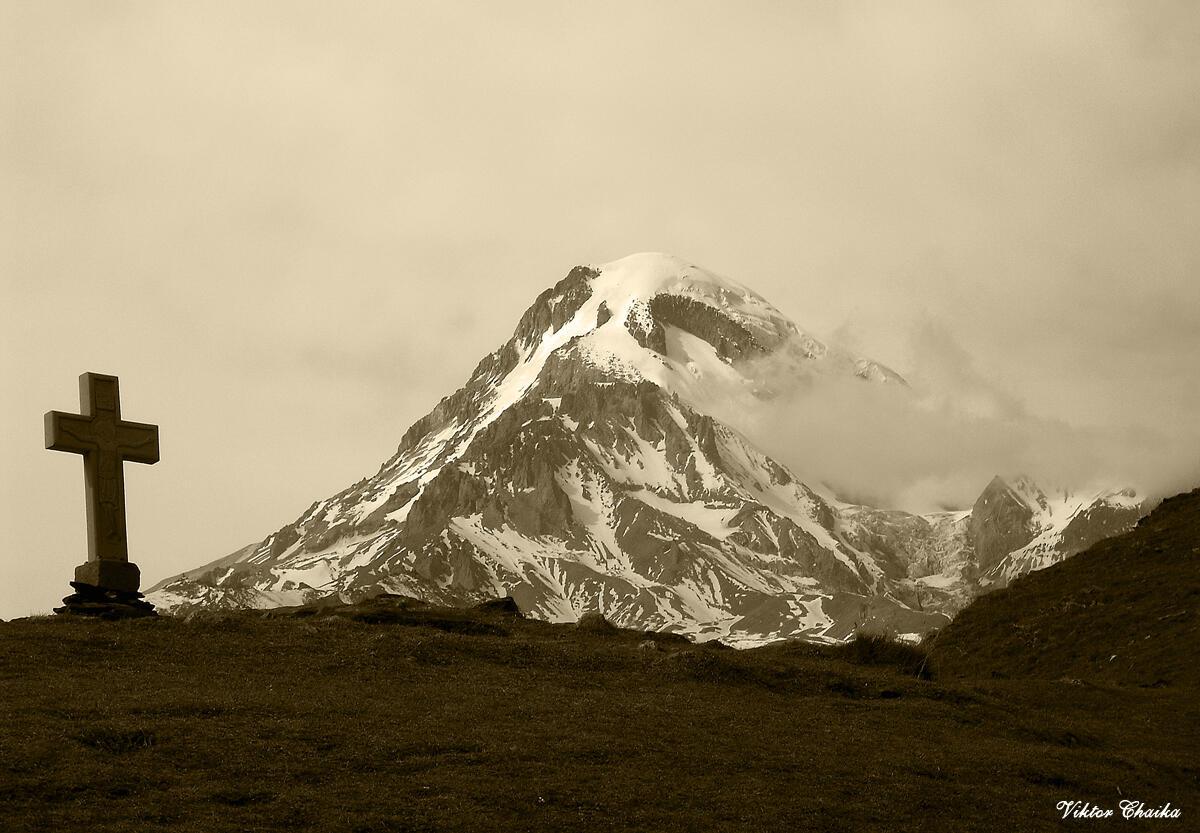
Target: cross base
(121,576)
(103,603)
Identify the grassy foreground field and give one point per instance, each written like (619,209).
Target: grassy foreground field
(386,719)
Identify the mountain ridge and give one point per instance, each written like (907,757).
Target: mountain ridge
(580,468)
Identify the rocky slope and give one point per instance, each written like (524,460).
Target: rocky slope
(580,469)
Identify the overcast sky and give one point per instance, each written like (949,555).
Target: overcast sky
(290,228)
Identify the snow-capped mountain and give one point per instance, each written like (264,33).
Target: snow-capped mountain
(580,468)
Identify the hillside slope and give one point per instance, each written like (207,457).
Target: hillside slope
(391,720)
(1126,611)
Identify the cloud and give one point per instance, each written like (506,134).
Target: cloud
(936,444)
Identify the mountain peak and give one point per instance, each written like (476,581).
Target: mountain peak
(646,274)
(657,317)
(584,464)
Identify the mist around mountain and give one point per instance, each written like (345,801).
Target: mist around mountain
(606,459)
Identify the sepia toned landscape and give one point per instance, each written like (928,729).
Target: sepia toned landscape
(648,416)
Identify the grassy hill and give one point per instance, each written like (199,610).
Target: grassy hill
(1125,612)
(393,716)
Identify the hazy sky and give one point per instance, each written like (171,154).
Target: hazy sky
(291,228)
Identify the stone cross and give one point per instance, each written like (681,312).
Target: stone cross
(105,441)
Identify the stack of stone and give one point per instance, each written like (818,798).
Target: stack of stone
(89,600)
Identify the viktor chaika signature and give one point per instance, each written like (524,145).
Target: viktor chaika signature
(1129,808)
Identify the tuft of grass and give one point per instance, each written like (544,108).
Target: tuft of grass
(116,741)
(884,649)
(594,622)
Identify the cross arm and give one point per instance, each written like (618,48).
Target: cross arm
(137,441)
(69,432)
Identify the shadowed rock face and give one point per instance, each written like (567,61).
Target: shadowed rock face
(730,339)
(1000,524)
(1097,523)
(577,470)
(650,335)
(555,307)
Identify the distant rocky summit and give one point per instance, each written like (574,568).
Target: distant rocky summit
(581,469)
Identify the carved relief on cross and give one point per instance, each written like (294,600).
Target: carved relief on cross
(105,441)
